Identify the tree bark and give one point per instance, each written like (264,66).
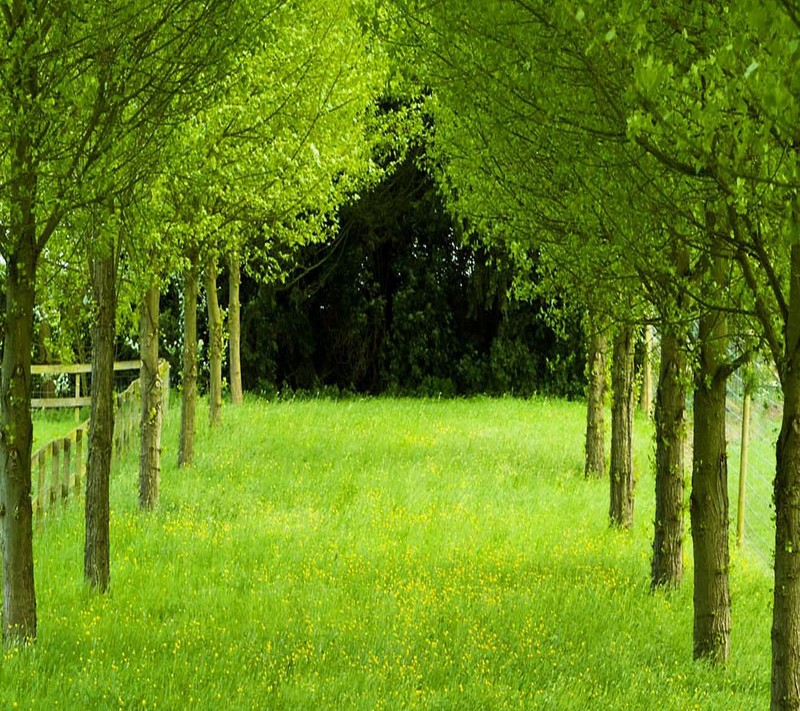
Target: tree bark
(786,595)
(235,329)
(189,377)
(96,552)
(595,465)
(670,426)
(621,469)
(709,500)
(214,346)
(19,594)
(151,389)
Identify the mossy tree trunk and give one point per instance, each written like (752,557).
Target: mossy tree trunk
(151,393)
(96,552)
(214,345)
(709,499)
(786,595)
(235,329)
(16,439)
(670,432)
(621,468)
(189,376)
(595,463)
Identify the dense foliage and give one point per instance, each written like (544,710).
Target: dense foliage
(398,302)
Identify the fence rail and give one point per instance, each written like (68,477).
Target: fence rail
(59,467)
(77,369)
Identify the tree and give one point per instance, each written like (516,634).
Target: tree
(234,326)
(282,145)
(534,166)
(537,134)
(76,85)
(595,455)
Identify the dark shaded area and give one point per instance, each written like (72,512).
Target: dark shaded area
(399,304)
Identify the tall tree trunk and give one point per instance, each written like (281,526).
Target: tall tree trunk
(189,377)
(595,465)
(646,399)
(16,438)
(621,469)
(235,329)
(786,595)
(151,388)
(670,425)
(214,345)
(96,551)
(709,500)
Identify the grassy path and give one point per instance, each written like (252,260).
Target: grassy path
(379,554)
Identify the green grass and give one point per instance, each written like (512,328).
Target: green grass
(51,424)
(378,554)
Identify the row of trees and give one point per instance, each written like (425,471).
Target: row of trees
(143,141)
(642,156)
(646,153)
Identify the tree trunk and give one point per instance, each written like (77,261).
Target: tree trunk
(19,594)
(189,378)
(595,407)
(786,595)
(96,553)
(670,425)
(621,470)
(235,329)
(151,389)
(709,500)
(214,346)
(646,399)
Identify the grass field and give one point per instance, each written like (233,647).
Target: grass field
(50,424)
(379,554)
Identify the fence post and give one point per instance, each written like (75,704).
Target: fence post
(67,447)
(743,468)
(55,449)
(78,460)
(40,486)
(77,395)
(115,438)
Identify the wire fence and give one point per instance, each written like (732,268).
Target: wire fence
(764,425)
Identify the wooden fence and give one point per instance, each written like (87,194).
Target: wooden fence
(58,467)
(77,369)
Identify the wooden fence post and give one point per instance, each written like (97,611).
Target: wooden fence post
(77,395)
(67,447)
(78,460)
(55,450)
(115,437)
(121,420)
(40,486)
